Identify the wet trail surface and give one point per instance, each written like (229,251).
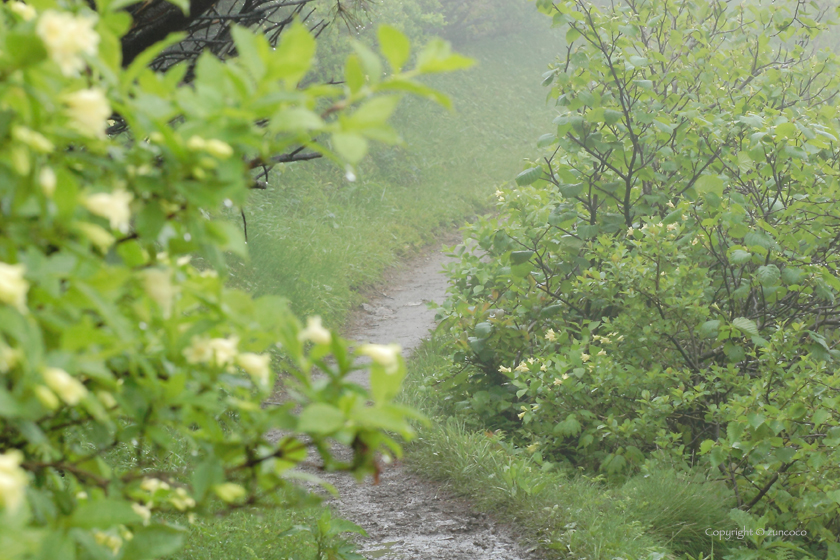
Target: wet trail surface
(405,516)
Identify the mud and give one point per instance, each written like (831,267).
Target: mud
(405,516)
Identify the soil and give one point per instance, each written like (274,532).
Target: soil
(405,516)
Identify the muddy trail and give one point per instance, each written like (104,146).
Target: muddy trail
(405,516)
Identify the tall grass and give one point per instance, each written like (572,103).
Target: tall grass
(316,238)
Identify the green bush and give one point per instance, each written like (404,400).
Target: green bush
(116,352)
(665,279)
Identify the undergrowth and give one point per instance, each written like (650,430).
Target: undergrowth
(657,514)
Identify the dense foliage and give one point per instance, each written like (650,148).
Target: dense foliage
(120,345)
(663,286)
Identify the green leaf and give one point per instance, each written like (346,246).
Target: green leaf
(519,257)
(717,456)
(734,352)
(785,454)
(551,310)
(320,418)
(768,275)
(354,76)
(709,329)
(383,385)
(24,49)
(296,119)
(228,236)
(760,239)
(529,176)
(739,257)
(709,184)
(370,62)
(706,446)
(568,427)
(747,326)
(252,50)
(374,112)
(483,330)
(104,514)
(437,57)
(350,146)
(611,116)
(786,130)
(395,46)
(821,417)
(745,162)
(294,54)
(154,541)
(755,420)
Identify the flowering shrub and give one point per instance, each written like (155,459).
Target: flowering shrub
(115,349)
(665,284)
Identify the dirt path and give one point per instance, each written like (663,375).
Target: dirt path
(406,517)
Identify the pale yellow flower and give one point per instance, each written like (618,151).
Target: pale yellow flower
(602,353)
(219,149)
(13,480)
(144,512)
(503,369)
(630,231)
(256,365)
(97,235)
(229,491)
(68,388)
(158,285)
(543,367)
(114,206)
(106,398)
(152,485)
(25,11)
(315,332)
(88,110)
(13,286)
(584,357)
(224,350)
(196,143)
(199,351)
(34,140)
(560,380)
(67,37)
(47,181)
(550,335)
(46,397)
(181,500)
(672,227)
(522,367)
(113,542)
(670,204)
(9,357)
(384,355)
